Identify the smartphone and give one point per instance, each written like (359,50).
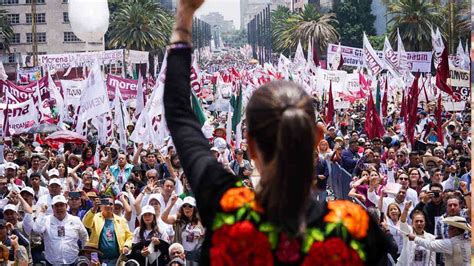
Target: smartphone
(74,194)
(94,257)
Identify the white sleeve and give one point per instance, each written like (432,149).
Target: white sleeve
(28,223)
(39,226)
(391,176)
(449,183)
(3,202)
(439,245)
(83,235)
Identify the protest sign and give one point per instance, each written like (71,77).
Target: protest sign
(127,87)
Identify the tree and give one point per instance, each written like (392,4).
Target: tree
(414,19)
(290,28)
(140,25)
(377,42)
(354,18)
(6,31)
(457,24)
(236,38)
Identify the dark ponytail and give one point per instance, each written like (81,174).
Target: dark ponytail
(281,121)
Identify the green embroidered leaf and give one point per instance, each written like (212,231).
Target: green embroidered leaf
(317,234)
(228,218)
(357,246)
(273,239)
(239,184)
(330,227)
(266,228)
(307,242)
(241,213)
(255,216)
(218,223)
(344,233)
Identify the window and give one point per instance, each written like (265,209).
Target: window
(11,58)
(65,17)
(13,18)
(71,37)
(40,18)
(9,2)
(40,37)
(15,39)
(37,1)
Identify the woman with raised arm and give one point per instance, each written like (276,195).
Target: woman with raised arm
(278,224)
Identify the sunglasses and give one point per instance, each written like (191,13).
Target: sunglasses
(399,155)
(187,206)
(402,178)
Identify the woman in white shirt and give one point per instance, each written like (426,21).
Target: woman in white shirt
(393,220)
(189,231)
(149,239)
(412,253)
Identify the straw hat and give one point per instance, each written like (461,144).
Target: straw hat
(457,221)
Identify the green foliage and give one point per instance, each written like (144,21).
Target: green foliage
(288,28)
(354,18)
(6,31)
(139,25)
(377,42)
(414,19)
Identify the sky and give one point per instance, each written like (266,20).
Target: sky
(230,9)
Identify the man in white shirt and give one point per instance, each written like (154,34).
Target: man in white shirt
(61,232)
(437,178)
(55,189)
(400,199)
(456,248)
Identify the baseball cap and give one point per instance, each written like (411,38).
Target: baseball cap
(28,189)
(338,139)
(153,197)
(118,202)
(215,149)
(189,200)
(10,207)
(53,172)
(147,209)
(10,165)
(59,199)
(54,181)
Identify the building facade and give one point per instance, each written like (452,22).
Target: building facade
(215,19)
(53,31)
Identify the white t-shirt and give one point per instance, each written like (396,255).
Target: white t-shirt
(146,235)
(190,236)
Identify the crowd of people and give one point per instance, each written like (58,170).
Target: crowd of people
(65,206)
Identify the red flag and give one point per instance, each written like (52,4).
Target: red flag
(6,127)
(412,110)
(330,111)
(341,62)
(385,100)
(403,109)
(373,125)
(315,54)
(442,75)
(439,122)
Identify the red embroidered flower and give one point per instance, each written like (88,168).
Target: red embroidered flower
(288,250)
(240,244)
(332,252)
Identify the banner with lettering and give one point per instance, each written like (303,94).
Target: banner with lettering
(337,77)
(23,93)
(417,61)
(72,91)
(65,61)
(460,83)
(127,87)
(21,116)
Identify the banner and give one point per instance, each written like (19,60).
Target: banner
(371,59)
(337,77)
(21,116)
(460,82)
(136,57)
(417,61)
(27,75)
(23,93)
(64,61)
(127,87)
(72,91)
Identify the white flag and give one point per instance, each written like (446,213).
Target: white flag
(54,92)
(3,74)
(119,120)
(336,59)
(402,54)
(140,100)
(390,59)
(438,46)
(371,59)
(299,62)
(94,99)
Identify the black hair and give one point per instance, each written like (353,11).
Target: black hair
(281,122)
(432,185)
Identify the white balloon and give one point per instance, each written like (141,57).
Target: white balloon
(89,19)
